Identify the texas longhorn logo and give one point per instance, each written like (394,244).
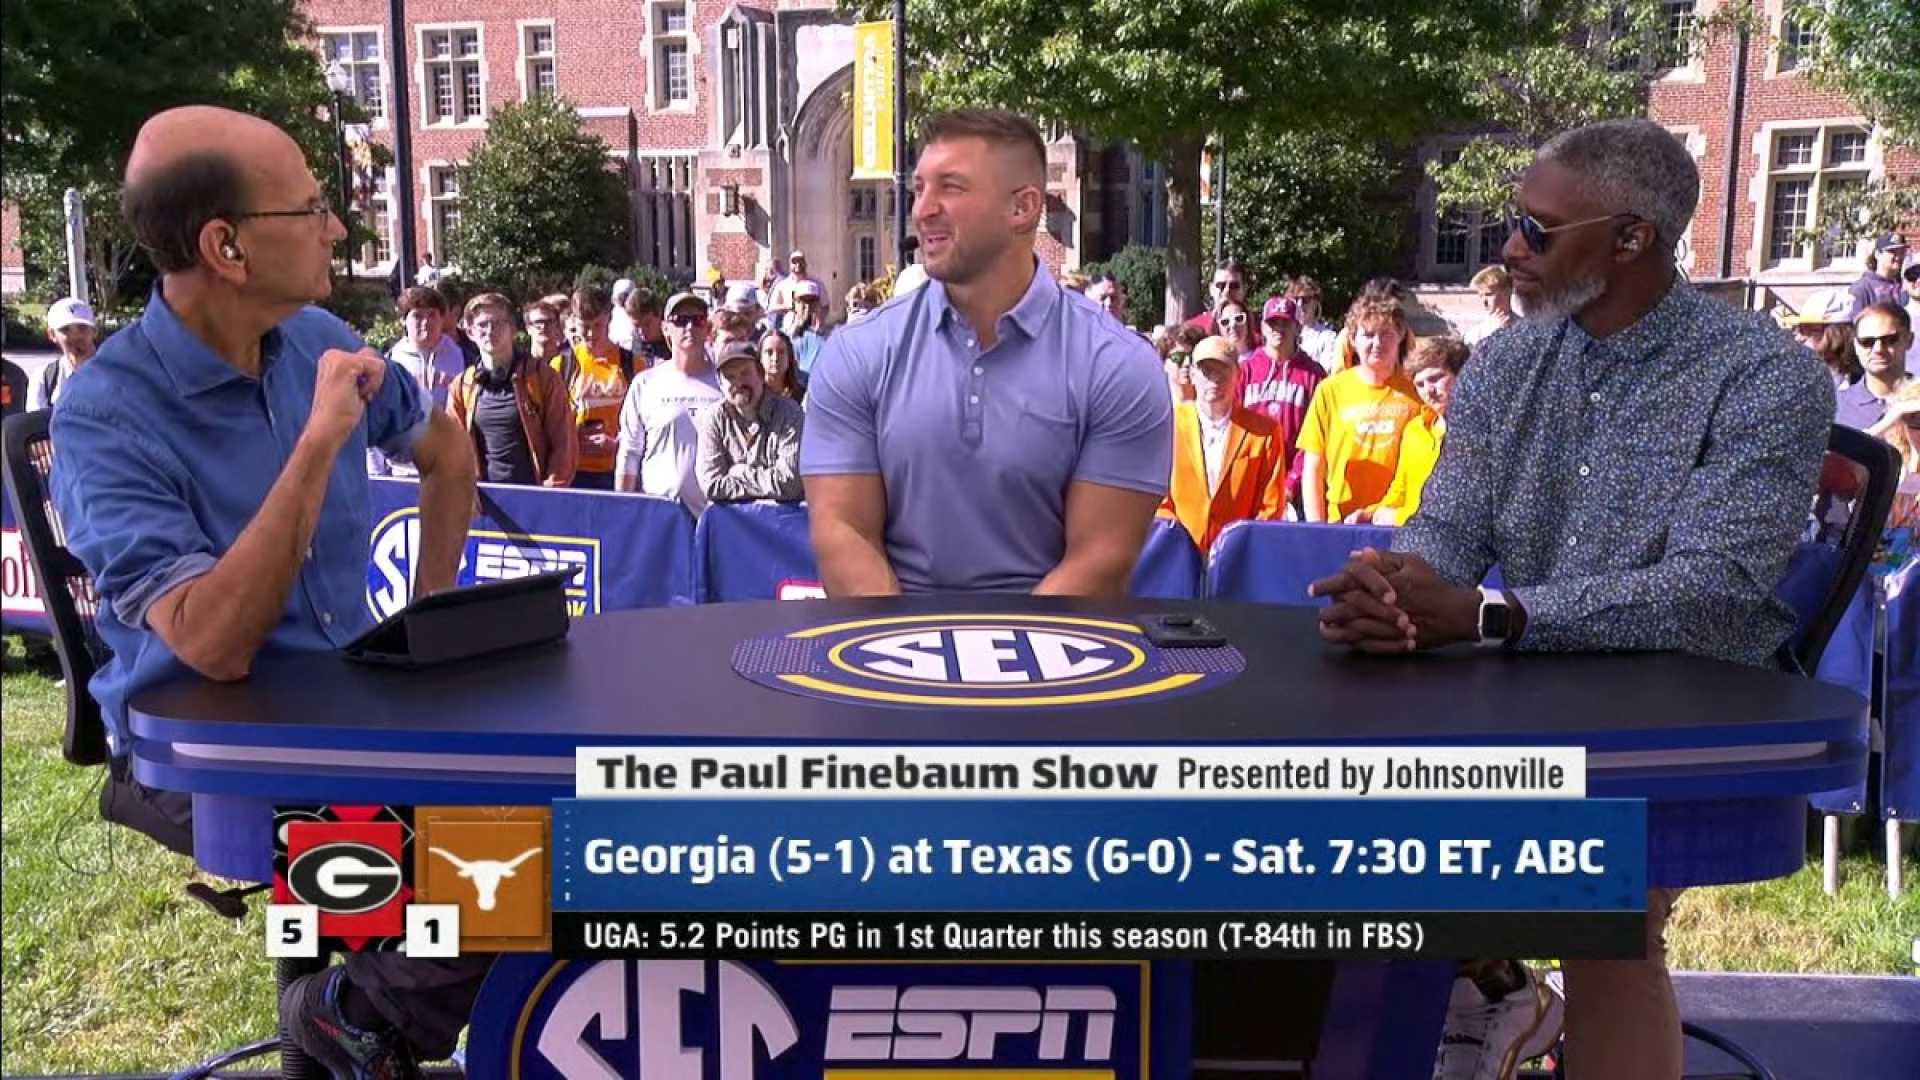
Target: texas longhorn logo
(981,661)
(492,862)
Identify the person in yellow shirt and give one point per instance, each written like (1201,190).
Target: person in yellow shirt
(1351,440)
(596,371)
(1433,367)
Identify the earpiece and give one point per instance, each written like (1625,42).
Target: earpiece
(227,250)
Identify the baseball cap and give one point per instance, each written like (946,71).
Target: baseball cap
(796,253)
(67,312)
(1216,348)
(1823,308)
(1281,307)
(806,290)
(736,350)
(741,296)
(621,288)
(1890,242)
(680,299)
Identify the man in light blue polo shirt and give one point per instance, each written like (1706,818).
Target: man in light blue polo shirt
(989,432)
(209,467)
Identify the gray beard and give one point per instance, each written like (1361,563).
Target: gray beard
(1559,304)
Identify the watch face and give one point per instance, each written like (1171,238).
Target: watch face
(1494,618)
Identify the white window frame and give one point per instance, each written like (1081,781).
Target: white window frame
(436,235)
(1766,176)
(1691,71)
(321,33)
(654,49)
(375,213)
(1777,11)
(529,83)
(1431,269)
(423,65)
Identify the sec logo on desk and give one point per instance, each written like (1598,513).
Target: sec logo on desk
(981,661)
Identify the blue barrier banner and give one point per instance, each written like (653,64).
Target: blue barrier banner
(538,1019)
(1900,755)
(1098,855)
(761,551)
(1273,562)
(21,608)
(630,551)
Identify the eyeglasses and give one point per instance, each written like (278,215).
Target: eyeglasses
(1889,340)
(1232,320)
(314,210)
(1538,237)
(1180,358)
(686,321)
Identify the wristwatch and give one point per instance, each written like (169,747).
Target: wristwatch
(1496,618)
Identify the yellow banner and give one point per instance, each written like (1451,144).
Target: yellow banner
(873,101)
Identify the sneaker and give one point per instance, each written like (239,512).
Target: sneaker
(310,1015)
(1488,1039)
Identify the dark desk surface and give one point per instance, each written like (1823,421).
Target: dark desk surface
(658,674)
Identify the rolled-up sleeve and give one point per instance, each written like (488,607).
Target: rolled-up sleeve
(841,434)
(397,415)
(1129,440)
(123,501)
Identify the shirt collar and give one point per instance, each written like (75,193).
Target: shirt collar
(194,368)
(1029,315)
(1654,330)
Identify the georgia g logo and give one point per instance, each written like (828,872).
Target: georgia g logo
(344,877)
(980,661)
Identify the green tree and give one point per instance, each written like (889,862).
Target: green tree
(1579,61)
(1868,50)
(83,75)
(538,200)
(1142,272)
(1165,75)
(1328,205)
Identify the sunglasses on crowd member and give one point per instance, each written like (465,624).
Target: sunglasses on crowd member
(1180,358)
(1889,340)
(1224,284)
(1539,237)
(686,321)
(1233,320)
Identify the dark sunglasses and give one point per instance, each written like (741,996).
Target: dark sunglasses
(1225,284)
(1539,237)
(1180,358)
(686,321)
(1889,340)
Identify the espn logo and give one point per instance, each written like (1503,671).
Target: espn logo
(948,1023)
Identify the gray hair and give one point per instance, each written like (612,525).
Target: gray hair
(1634,167)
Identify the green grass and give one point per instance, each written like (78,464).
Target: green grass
(109,967)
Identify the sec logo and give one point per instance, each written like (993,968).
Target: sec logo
(981,661)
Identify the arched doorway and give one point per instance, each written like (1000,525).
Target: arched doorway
(822,162)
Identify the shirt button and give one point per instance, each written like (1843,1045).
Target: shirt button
(326,618)
(309,552)
(1572,540)
(973,399)
(1594,397)
(978,370)
(1584,470)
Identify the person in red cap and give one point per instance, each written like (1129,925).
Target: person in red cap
(1279,380)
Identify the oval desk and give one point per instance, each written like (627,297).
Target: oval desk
(1724,754)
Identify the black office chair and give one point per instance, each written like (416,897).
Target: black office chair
(71,604)
(1857,484)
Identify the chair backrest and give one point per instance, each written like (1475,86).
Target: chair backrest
(65,585)
(1858,482)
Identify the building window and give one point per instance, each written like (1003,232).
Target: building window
(378,216)
(663,211)
(443,202)
(1797,40)
(672,54)
(869,258)
(538,76)
(359,52)
(1676,35)
(1807,167)
(455,75)
(1663,46)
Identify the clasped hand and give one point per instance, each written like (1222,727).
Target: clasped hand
(1394,602)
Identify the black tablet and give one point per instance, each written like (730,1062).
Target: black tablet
(467,622)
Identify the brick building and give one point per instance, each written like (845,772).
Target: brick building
(1789,147)
(731,121)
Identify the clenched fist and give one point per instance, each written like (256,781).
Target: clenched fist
(346,382)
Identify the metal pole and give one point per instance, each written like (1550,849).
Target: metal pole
(900,214)
(346,188)
(76,212)
(402,121)
(1220,204)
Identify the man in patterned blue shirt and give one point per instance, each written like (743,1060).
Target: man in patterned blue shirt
(1638,458)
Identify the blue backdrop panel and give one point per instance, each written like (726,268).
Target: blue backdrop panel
(748,551)
(1273,562)
(21,610)
(1900,760)
(634,551)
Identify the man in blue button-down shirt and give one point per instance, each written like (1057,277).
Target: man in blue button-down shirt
(989,431)
(210,471)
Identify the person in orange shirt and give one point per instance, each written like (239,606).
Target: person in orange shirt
(1229,462)
(1433,367)
(596,372)
(1351,440)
